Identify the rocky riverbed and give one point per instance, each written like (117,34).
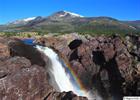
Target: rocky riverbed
(107,65)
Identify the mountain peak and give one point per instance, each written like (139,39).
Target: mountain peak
(22,21)
(29,19)
(62,14)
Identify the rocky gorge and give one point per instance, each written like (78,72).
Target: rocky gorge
(108,67)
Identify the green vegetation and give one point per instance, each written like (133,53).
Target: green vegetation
(84,26)
(8,34)
(20,34)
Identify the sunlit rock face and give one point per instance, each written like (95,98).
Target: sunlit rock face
(4,50)
(21,80)
(108,66)
(105,64)
(23,77)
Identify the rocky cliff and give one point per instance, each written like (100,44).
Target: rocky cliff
(23,75)
(108,65)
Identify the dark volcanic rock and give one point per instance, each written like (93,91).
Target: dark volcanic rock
(13,65)
(4,50)
(25,77)
(64,96)
(109,64)
(18,48)
(21,80)
(74,44)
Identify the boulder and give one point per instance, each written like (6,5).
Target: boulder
(18,48)
(21,80)
(64,96)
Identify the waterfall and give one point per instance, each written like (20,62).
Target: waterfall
(60,75)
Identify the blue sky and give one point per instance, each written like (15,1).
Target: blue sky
(11,10)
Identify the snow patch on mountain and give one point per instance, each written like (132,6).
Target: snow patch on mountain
(65,13)
(29,19)
(22,21)
(73,14)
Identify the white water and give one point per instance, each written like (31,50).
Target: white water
(61,77)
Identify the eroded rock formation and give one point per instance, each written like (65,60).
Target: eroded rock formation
(23,75)
(108,64)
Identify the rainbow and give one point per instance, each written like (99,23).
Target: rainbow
(72,78)
(76,78)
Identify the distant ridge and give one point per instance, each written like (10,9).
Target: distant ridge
(22,21)
(67,22)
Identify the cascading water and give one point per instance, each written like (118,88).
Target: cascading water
(62,78)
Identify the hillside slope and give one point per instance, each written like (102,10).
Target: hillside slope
(67,22)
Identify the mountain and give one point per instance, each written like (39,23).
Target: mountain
(135,23)
(22,21)
(65,14)
(67,22)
